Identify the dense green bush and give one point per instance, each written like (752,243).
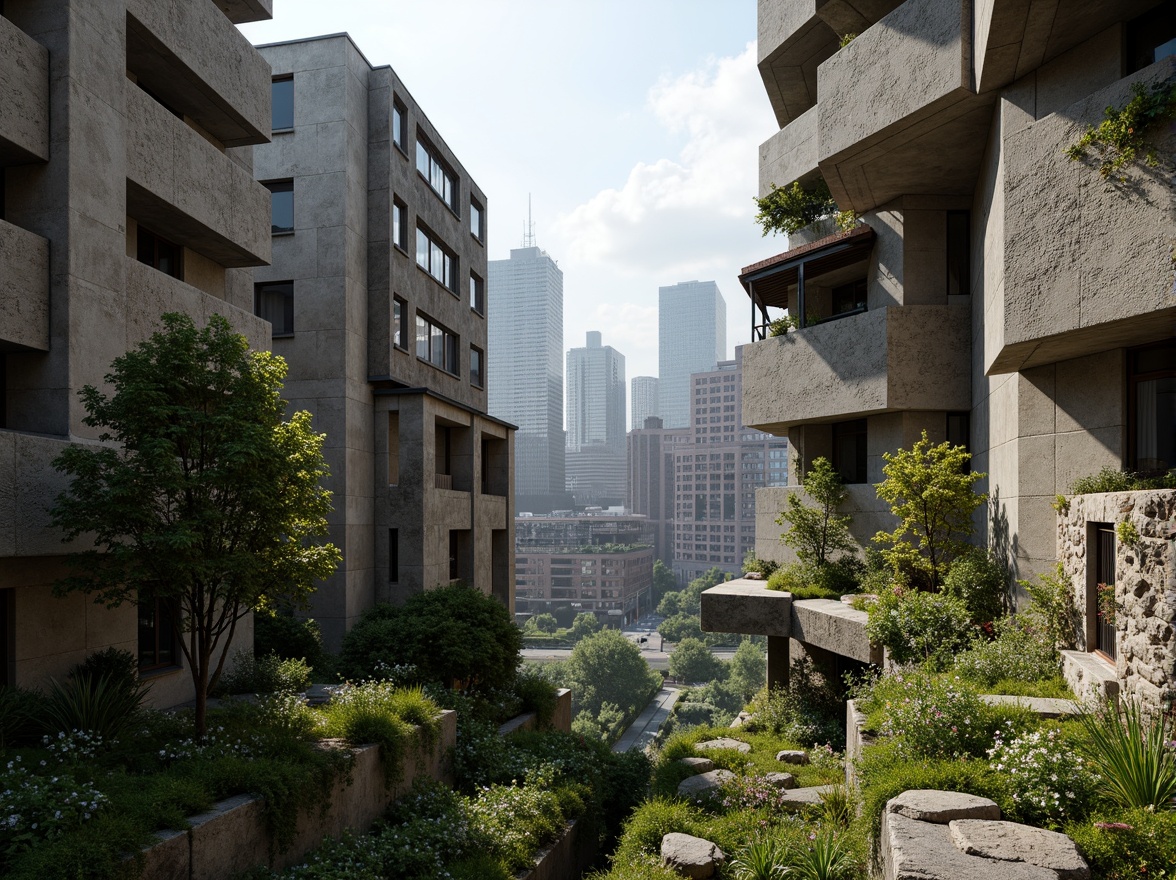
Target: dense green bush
(102,703)
(20,714)
(692,662)
(266,674)
(1017,653)
(453,635)
(805,580)
(809,711)
(287,637)
(1112,480)
(918,627)
(1052,613)
(1128,844)
(981,582)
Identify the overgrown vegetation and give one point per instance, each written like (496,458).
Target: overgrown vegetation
(789,208)
(1112,480)
(1124,135)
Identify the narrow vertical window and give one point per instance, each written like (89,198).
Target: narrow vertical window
(159,253)
(398,125)
(393,555)
(157,635)
(477,230)
(399,323)
(959,280)
(273,301)
(282,95)
(281,206)
(477,367)
(400,225)
(477,294)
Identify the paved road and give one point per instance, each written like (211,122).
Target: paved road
(645,727)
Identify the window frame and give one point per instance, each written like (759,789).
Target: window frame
(399,113)
(958,253)
(1135,377)
(399,232)
(853,428)
(477,294)
(159,616)
(282,78)
(448,359)
(477,221)
(149,237)
(287,306)
(400,324)
(449,270)
(437,169)
(478,374)
(281,187)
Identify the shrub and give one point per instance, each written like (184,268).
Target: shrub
(287,637)
(1132,755)
(99,703)
(981,582)
(454,635)
(264,675)
(379,712)
(1016,654)
(789,208)
(808,581)
(514,822)
(1127,844)
(809,711)
(917,627)
(818,532)
(1051,612)
(536,694)
(1049,782)
(20,713)
(752,563)
(40,807)
(1112,480)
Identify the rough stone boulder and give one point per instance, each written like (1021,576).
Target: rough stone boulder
(914,850)
(723,742)
(698,765)
(792,756)
(942,807)
(704,785)
(798,800)
(780,780)
(691,856)
(1011,842)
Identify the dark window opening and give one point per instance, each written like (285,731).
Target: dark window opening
(849,298)
(3,390)
(959,272)
(160,253)
(399,323)
(3,175)
(157,635)
(959,429)
(281,206)
(1151,407)
(7,628)
(1104,577)
(477,294)
(158,100)
(477,367)
(849,450)
(393,555)
(273,301)
(1151,37)
(282,94)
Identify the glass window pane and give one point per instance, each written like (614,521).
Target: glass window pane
(436,346)
(283,104)
(422,338)
(422,249)
(422,159)
(282,207)
(397,126)
(397,317)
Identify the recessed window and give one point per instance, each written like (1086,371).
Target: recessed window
(399,323)
(393,555)
(436,344)
(398,115)
(477,229)
(160,253)
(477,367)
(849,450)
(157,635)
(435,171)
(400,225)
(849,298)
(1151,403)
(477,294)
(282,97)
(1151,37)
(281,206)
(273,301)
(959,280)
(436,259)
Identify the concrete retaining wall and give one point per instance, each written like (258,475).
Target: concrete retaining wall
(561,719)
(232,837)
(570,856)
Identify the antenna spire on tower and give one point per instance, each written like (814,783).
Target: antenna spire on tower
(529,232)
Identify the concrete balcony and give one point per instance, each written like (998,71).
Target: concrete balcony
(28,487)
(1087,265)
(882,360)
(790,154)
(897,113)
(24,289)
(150,293)
(183,187)
(193,57)
(24,97)
(242,11)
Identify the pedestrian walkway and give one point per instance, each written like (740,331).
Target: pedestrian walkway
(645,727)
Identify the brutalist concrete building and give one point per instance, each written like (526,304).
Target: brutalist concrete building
(377,298)
(126,191)
(996,292)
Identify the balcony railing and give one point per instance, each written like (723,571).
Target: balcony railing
(442,481)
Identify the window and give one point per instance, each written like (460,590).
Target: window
(436,259)
(1151,37)
(1103,537)
(1151,405)
(477,294)
(400,225)
(398,115)
(476,228)
(959,430)
(281,206)
(959,280)
(477,367)
(849,298)
(436,345)
(282,96)
(3,399)
(157,635)
(159,253)
(399,323)
(440,178)
(393,555)
(273,301)
(849,450)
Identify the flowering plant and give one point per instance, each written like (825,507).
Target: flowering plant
(35,808)
(1050,783)
(935,717)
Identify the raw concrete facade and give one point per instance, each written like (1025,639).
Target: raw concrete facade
(126,133)
(384,260)
(996,293)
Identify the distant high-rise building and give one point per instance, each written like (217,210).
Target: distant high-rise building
(717,474)
(651,480)
(692,338)
(525,384)
(643,397)
(596,423)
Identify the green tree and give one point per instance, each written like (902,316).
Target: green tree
(680,627)
(930,489)
(585,624)
(545,623)
(606,667)
(211,502)
(817,532)
(663,580)
(747,670)
(692,661)
(670,604)
(789,208)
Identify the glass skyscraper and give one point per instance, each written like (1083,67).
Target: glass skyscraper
(692,338)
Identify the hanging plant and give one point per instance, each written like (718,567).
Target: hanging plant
(1122,136)
(789,208)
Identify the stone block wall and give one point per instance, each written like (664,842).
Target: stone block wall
(1145,586)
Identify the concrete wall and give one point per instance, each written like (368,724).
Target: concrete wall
(24,288)
(24,96)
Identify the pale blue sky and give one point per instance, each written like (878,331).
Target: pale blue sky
(634,125)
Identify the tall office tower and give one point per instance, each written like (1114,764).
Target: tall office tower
(596,424)
(651,480)
(126,133)
(643,400)
(526,384)
(378,302)
(691,338)
(717,475)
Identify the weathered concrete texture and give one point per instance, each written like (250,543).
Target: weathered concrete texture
(941,807)
(1012,842)
(242,11)
(833,626)
(1145,589)
(790,155)
(704,785)
(24,96)
(1092,678)
(570,856)
(885,359)
(691,856)
(792,42)
(561,718)
(1045,707)
(743,606)
(24,288)
(723,742)
(856,740)
(1108,282)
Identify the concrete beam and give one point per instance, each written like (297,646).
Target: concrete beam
(24,97)
(748,607)
(24,289)
(242,11)
(790,154)
(833,626)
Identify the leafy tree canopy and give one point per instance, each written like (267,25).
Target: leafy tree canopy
(817,532)
(207,498)
(606,667)
(692,661)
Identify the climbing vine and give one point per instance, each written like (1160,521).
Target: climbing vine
(1122,136)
